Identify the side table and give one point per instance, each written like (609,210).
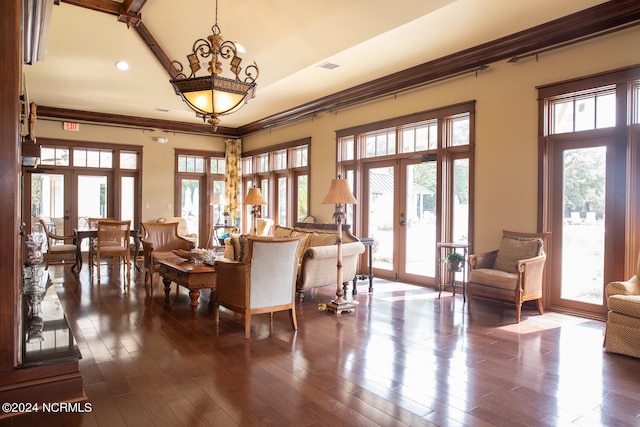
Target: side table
(368,242)
(443,248)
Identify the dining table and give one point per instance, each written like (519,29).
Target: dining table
(89,233)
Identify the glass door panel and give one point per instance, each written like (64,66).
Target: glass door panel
(92,195)
(48,202)
(380,215)
(583,189)
(190,204)
(128,201)
(420,219)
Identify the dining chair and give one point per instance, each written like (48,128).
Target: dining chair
(112,242)
(60,249)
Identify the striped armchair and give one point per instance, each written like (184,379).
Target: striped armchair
(623,320)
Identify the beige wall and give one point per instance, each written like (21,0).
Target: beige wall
(506,128)
(506,133)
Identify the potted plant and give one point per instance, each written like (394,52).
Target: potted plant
(454,260)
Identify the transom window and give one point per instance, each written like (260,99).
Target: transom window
(187,163)
(583,111)
(419,137)
(379,143)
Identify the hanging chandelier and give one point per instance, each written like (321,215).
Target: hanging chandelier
(214,95)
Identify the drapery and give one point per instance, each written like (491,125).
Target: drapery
(232,184)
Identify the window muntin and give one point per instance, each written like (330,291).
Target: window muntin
(346,150)
(379,143)
(128,160)
(217,165)
(590,110)
(262,163)
(192,164)
(300,156)
(279,160)
(459,131)
(54,156)
(419,137)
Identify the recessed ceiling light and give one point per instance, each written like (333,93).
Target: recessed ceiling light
(122,65)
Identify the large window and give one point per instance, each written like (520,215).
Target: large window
(412,178)
(282,174)
(199,184)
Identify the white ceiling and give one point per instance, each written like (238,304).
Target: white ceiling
(288,39)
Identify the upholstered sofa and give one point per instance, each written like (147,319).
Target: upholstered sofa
(317,255)
(623,320)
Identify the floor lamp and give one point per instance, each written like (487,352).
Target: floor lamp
(255,199)
(339,195)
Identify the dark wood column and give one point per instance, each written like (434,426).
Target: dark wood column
(60,382)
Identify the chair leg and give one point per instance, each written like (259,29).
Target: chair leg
(294,321)
(216,313)
(540,306)
(247,325)
(518,311)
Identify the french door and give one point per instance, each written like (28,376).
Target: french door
(582,200)
(400,215)
(65,198)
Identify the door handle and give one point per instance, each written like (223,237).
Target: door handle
(402,223)
(66,217)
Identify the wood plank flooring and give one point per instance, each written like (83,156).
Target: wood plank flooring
(404,358)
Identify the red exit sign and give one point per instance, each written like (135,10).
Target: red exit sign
(72,126)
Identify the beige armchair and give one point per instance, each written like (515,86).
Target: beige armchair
(264,282)
(513,273)
(183,229)
(623,320)
(159,240)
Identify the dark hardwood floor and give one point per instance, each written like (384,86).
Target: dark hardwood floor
(404,358)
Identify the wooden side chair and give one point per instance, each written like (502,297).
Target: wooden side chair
(113,242)
(60,249)
(263,282)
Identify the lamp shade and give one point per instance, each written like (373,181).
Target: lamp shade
(254,197)
(339,193)
(218,199)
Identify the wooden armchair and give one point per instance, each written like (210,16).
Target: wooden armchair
(60,249)
(513,273)
(264,282)
(159,240)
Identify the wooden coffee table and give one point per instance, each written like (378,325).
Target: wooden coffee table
(190,275)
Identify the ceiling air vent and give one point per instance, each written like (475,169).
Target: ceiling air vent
(328,65)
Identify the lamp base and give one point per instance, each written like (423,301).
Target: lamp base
(340,306)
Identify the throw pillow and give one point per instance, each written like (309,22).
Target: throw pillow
(514,248)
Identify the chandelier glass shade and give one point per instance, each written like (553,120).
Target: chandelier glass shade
(213,95)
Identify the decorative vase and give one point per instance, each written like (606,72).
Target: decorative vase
(34,250)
